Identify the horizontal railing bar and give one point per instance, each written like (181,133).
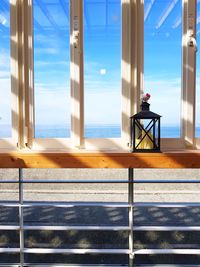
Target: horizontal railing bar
(102,204)
(167,251)
(67,204)
(67,181)
(166,228)
(162,265)
(100,182)
(72,265)
(101,228)
(76,181)
(96,265)
(166,204)
(74,251)
(9,250)
(167,181)
(9,227)
(8,204)
(78,228)
(9,181)
(79,204)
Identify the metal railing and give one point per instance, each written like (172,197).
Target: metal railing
(131,228)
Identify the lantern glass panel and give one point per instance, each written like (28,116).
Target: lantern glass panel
(146,133)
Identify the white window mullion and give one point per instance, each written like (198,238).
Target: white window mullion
(189,72)
(20,62)
(14,69)
(24,91)
(132,61)
(126,69)
(76,72)
(29,97)
(139,87)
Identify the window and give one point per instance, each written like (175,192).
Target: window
(5,71)
(162,61)
(102,68)
(52,68)
(77,70)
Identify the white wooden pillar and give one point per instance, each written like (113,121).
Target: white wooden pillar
(189,72)
(76,72)
(23,119)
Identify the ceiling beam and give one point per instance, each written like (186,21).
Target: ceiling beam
(177,23)
(47,14)
(166,13)
(38,26)
(148,10)
(65,9)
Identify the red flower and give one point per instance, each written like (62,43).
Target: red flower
(146,97)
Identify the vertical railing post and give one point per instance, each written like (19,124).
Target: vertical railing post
(21,217)
(130,201)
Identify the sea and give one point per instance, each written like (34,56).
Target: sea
(91,131)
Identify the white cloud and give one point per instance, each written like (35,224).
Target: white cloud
(46,50)
(4,60)
(40,63)
(165,98)
(52,107)
(103,108)
(5,101)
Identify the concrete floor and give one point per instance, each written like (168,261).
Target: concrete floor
(102,192)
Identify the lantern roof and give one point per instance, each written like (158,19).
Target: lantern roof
(146,114)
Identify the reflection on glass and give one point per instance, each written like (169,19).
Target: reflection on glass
(51,68)
(162,61)
(102,54)
(5,78)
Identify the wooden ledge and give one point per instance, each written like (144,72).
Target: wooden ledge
(107,159)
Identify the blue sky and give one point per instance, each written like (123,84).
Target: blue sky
(5,88)
(102,56)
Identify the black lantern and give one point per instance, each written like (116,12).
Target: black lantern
(145,130)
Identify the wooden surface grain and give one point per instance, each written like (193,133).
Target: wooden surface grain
(107,159)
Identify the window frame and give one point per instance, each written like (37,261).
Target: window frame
(187,119)
(132,72)
(11,142)
(77,139)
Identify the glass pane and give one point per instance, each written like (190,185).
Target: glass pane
(5,77)
(197,75)
(146,134)
(51,68)
(102,48)
(162,61)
